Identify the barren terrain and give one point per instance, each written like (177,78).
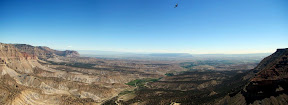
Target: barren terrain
(40,75)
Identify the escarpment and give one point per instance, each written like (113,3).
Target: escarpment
(45,52)
(268,85)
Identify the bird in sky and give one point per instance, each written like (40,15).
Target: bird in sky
(176,5)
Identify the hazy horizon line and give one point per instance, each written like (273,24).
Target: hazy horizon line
(129,52)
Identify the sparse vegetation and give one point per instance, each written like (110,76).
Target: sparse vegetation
(141,82)
(124,92)
(231,81)
(79,65)
(220,64)
(169,74)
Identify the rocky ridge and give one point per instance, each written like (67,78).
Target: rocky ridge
(45,52)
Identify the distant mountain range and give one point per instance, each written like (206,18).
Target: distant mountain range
(130,55)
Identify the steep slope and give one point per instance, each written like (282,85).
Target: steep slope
(268,86)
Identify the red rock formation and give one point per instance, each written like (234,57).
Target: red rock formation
(29,56)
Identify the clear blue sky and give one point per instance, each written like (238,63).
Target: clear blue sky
(195,26)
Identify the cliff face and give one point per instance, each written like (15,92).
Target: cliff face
(273,67)
(45,52)
(269,83)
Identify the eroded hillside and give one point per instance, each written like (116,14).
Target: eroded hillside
(21,85)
